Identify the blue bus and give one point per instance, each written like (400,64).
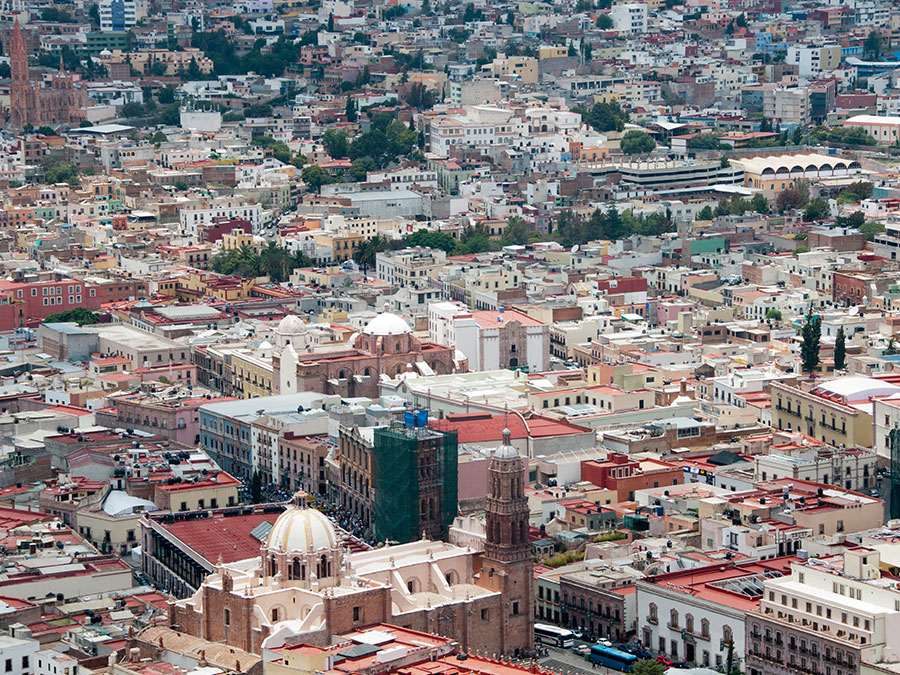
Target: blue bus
(612,658)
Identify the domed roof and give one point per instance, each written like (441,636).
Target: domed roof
(264,345)
(291,324)
(506,451)
(302,529)
(387,324)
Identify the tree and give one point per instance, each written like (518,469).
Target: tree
(315,177)
(811,333)
(870,229)
(335,143)
(789,199)
(56,15)
(132,110)
(425,238)
(760,204)
(367,251)
(279,149)
(350,110)
(604,22)
(636,142)
(706,213)
(158,137)
(872,45)
(840,350)
(180,185)
(891,349)
(817,209)
(515,232)
(605,117)
(648,667)
(80,315)
(704,142)
(256,495)
(774,314)
(166,95)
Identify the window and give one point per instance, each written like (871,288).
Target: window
(8,665)
(227,617)
(673,618)
(356,613)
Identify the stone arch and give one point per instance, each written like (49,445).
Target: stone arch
(413,585)
(451,577)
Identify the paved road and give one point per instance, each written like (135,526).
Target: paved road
(565,660)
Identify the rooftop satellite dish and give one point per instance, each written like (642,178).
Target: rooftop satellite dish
(574,249)
(853,311)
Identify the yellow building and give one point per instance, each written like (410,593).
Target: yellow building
(235,239)
(523,67)
(213,491)
(343,244)
(553,52)
(251,374)
(829,412)
(203,284)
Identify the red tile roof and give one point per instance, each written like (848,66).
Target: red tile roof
(228,536)
(483,427)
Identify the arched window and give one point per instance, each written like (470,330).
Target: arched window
(704,627)
(274,615)
(654,612)
(689,623)
(673,618)
(295,569)
(727,635)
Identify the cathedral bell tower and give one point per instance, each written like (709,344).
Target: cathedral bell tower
(507,561)
(21,93)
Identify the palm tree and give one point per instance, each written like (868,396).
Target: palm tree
(367,251)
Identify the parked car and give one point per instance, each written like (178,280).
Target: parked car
(666,662)
(604,642)
(581,650)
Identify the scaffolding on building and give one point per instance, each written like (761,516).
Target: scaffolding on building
(414,471)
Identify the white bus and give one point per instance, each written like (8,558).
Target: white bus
(553,635)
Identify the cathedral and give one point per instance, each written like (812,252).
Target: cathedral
(55,101)
(306,587)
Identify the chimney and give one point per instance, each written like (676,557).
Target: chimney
(682,387)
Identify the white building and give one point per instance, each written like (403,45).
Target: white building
(191,217)
(629,18)
(492,339)
(411,267)
(18,651)
(885,130)
(52,662)
(117,15)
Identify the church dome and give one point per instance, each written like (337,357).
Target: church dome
(302,529)
(506,451)
(387,324)
(291,324)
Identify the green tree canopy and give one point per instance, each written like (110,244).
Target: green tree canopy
(80,315)
(315,177)
(811,334)
(840,350)
(636,142)
(605,117)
